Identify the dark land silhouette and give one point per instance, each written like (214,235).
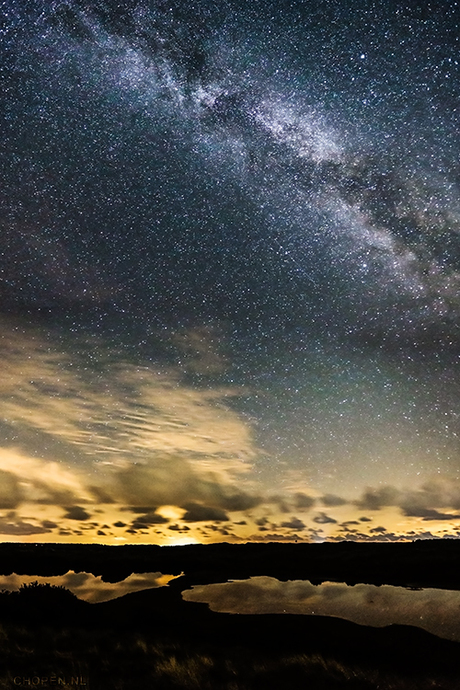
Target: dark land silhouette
(427,563)
(155,639)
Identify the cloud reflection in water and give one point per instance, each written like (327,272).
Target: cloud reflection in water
(434,610)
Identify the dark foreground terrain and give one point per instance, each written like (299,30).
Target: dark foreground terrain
(154,639)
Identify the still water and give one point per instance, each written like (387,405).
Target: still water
(434,610)
(87,586)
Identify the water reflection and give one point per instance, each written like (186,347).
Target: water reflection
(89,587)
(434,610)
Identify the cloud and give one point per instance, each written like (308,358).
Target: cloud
(429,514)
(424,502)
(294,523)
(380,530)
(138,439)
(196,512)
(430,497)
(76,513)
(162,481)
(137,436)
(323,519)
(261,521)
(360,536)
(423,535)
(375,499)
(303,501)
(269,537)
(235,499)
(48,524)
(100,494)
(172,480)
(10,491)
(50,392)
(333,500)
(42,482)
(21,528)
(147,520)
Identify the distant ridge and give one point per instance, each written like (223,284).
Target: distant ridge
(427,563)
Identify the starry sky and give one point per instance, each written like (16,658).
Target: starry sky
(229,271)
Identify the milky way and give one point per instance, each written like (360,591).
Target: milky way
(254,211)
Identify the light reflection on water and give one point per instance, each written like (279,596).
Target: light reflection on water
(89,587)
(435,610)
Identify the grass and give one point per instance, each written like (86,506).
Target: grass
(133,661)
(117,658)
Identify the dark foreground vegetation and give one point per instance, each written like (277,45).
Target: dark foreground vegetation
(155,640)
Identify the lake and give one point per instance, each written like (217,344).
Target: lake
(434,610)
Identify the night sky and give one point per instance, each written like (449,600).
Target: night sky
(229,271)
